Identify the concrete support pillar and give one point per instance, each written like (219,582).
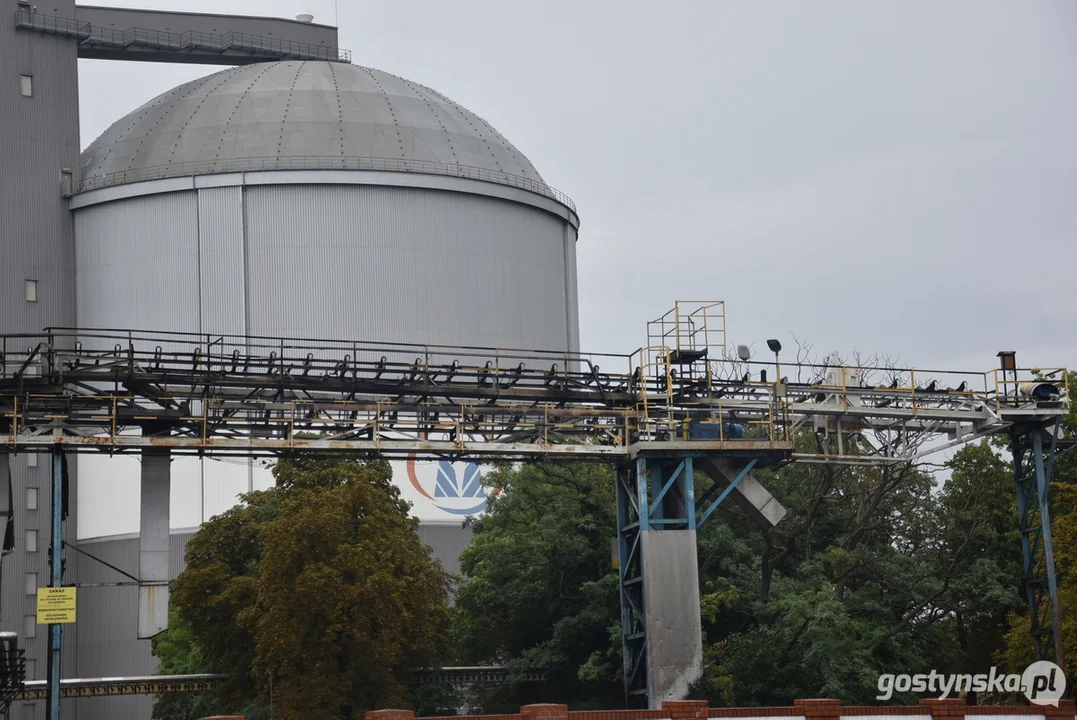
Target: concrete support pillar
(153,543)
(671,607)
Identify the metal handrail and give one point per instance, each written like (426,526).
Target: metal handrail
(227,165)
(176,42)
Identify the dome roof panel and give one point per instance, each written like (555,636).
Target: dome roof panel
(302,114)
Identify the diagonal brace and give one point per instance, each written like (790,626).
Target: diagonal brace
(725,493)
(665,488)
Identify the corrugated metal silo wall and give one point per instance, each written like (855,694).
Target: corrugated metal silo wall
(338,261)
(404,265)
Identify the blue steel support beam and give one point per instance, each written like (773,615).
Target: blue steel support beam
(655,494)
(656,505)
(56,579)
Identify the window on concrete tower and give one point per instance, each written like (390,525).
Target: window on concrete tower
(31,541)
(31,498)
(31,291)
(31,583)
(31,459)
(30,626)
(26,85)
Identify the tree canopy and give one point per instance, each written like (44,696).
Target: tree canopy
(540,589)
(897,569)
(319,586)
(322,584)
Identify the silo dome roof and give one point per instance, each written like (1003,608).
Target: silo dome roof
(303,115)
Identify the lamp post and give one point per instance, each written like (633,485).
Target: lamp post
(775,347)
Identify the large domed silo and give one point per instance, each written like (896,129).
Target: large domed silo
(316,200)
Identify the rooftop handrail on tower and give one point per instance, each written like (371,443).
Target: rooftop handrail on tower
(89,35)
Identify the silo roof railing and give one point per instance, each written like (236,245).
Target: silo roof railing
(191,41)
(265,164)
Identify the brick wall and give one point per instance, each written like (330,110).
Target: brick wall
(809,709)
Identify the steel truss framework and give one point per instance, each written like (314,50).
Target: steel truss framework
(655,494)
(107,687)
(158,684)
(121,391)
(1035,448)
(661,414)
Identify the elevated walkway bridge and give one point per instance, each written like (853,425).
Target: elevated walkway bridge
(659,415)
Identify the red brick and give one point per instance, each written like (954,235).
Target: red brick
(882,710)
(950,708)
(1066,710)
(544,712)
(754,712)
(390,714)
(819,708)
(686,709)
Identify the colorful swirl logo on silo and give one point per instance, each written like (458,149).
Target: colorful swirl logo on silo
(455,488)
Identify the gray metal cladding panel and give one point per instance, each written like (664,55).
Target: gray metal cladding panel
(18,607)
(108,646)
(220,243)
(40,139)
(571,283)
(302,109)
(446,541)
(404,264)
(108,617)
(137,263)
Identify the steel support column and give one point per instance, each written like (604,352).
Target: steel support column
(661,628)
(1034,448)
(56,579)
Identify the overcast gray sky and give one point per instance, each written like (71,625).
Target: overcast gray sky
(896,177)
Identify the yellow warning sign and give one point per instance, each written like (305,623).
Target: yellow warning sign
(56,605)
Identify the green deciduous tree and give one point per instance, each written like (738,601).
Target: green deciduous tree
(177,655)
(540,589)
(321,584)
(875,569)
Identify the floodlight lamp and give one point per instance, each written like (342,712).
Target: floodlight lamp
(744,353)
(1007,359)
(774,345)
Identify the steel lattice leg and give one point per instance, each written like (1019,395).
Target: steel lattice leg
(1033,464)
(633,629)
